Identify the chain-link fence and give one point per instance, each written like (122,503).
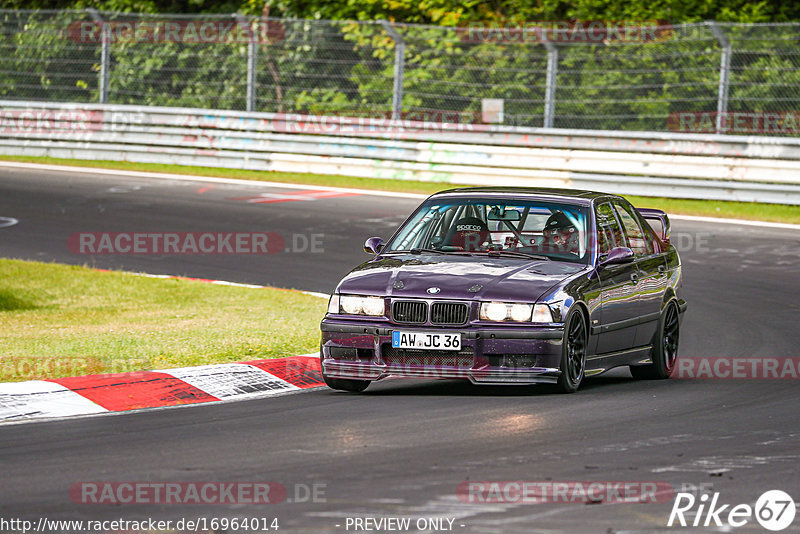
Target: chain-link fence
(705,77)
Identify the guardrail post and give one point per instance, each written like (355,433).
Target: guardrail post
(252,50)
(399,63)
(724,75)
(105,53)
(550,88)
(252,57)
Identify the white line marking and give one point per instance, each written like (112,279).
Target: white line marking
(723,464)
(221,283)
(372,192)
(5,222)
(318,295)
(236,284)
(207,179)
(742,222)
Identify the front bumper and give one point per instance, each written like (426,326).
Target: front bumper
(489,355)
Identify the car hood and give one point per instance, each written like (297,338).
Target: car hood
(457,277)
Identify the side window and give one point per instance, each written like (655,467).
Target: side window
(636,237)
(650,235)
(609,234)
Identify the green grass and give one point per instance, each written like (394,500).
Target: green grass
(58,320)
(707,208)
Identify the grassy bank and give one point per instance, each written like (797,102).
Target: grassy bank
(59,320)
(706,208)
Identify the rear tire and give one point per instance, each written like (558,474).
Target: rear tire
(665,348)
(573,353)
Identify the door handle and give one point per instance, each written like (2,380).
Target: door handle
(635,278)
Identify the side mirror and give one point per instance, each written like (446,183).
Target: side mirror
(617,256)
(373,245)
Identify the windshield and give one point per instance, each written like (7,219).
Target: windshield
(496,227)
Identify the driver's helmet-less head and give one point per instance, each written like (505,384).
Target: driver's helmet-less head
(560,232)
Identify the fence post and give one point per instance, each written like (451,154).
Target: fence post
(399,61)
(724,75)
(252,65)
(105,53)
(550,88)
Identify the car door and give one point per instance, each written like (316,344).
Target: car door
(619,314)
(651,267)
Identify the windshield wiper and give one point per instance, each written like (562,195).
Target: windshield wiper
(498,253)
(420,250)
(443,250)
(416,250)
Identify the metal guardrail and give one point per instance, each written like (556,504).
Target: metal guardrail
(762,169)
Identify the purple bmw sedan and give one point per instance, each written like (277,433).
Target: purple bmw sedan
(510,286)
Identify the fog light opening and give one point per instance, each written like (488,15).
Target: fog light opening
(515,361)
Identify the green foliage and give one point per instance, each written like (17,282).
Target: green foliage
(460,12)
(454,12)
(321,67)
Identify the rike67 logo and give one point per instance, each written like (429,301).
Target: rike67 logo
(774,510)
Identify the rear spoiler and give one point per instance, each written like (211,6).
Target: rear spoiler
(661,217)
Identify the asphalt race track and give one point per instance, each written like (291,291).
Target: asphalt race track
(402,448)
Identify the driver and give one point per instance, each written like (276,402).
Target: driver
(560,233)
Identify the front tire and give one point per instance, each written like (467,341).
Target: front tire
(346,384)
(665,348)
(342,384)
(573,353)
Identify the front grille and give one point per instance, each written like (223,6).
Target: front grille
(409,312)
(449,313)
(440,358)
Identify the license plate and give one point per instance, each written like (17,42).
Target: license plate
(426,340)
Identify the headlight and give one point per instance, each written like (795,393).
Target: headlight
(351,305)
(357,305)
(494,311)
(510,311)
(373,306)
(521,312)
